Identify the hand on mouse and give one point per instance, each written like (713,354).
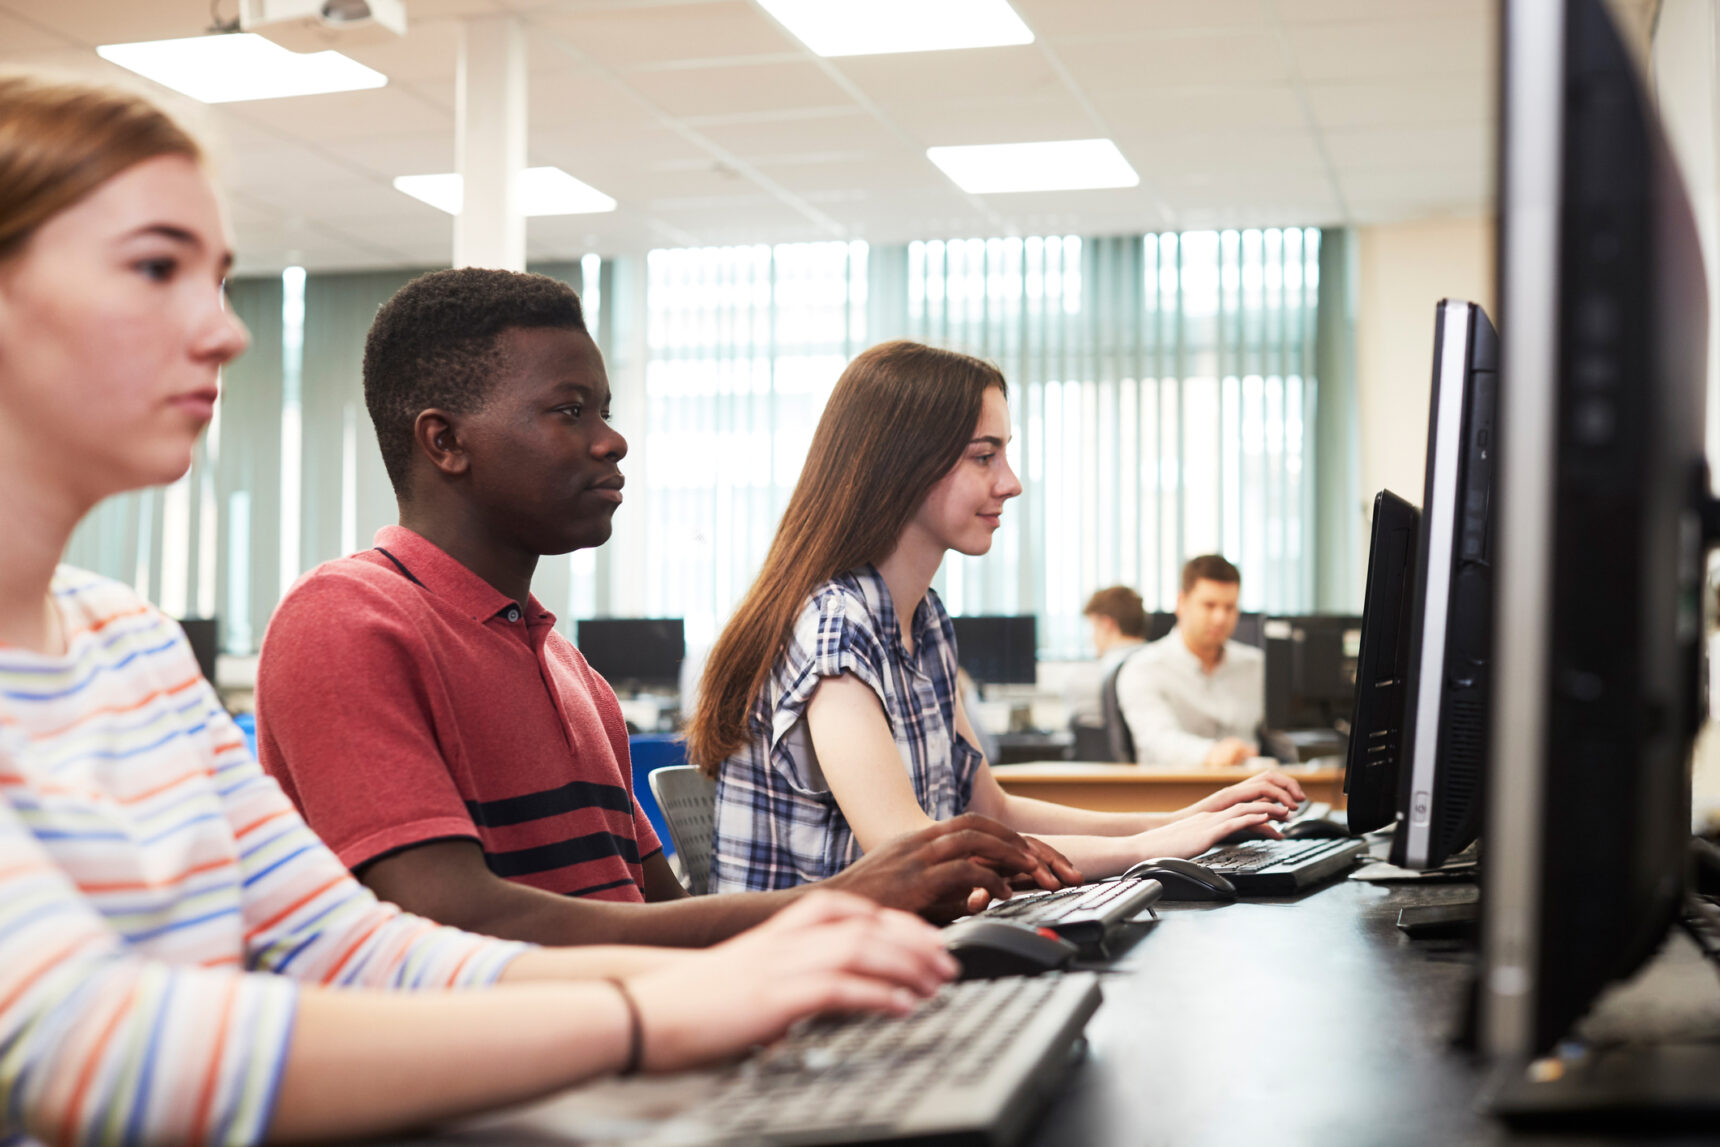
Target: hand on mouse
(1193,834)
(944,869)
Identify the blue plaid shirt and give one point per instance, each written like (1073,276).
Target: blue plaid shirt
(776,823)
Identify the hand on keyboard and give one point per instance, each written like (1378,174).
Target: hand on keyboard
(1194,833)
(1268,786)
(941,871)
(827,952)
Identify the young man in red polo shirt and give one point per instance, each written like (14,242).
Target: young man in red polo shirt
(416,703)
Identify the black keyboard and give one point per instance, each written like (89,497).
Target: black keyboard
(1086,914)
(976,1062)
(1280,867)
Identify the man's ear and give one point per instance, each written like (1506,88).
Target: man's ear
(436,434)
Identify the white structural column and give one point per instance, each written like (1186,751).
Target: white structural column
(490,143)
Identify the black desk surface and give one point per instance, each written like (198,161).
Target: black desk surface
(1315,1021)
(1307,1021)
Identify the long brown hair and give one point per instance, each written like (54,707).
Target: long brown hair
(62,139)
(897,421)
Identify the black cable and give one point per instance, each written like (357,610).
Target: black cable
(217,25)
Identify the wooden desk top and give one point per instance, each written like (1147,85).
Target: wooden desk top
(1102,772)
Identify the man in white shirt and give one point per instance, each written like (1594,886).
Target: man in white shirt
(1195,697)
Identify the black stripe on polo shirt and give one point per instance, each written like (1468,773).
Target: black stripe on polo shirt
(596,888)
(561,854)
(571,797)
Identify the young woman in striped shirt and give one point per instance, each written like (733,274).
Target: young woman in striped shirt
(180,958)
(829,712)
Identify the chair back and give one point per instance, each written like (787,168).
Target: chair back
(688,799)
(1117,736)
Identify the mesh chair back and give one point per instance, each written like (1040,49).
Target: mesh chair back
(689,800)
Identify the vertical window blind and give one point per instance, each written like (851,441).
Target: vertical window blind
(1162,394)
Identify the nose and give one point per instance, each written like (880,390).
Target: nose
(609,445)
(223,336)
(1008,485)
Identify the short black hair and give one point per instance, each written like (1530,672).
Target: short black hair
(436,343)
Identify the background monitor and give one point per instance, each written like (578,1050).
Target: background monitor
(1601,492)
(1382,666)
(998,650)
(204,634)
(1311,670)
(1445,718)
(634,652)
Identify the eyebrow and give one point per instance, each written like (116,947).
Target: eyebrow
(182,236)
(988,439)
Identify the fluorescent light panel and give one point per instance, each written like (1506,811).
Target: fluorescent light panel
(872,27)
(240,66)
(1062,165)
(542,191)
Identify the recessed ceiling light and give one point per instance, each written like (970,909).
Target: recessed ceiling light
(1062,165)
(542,191)
(240,66)
(871,27)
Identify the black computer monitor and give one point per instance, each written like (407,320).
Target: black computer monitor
(998,650)
(1311,670)
(1445,723)
(634,652)
(204,635)
(1601,493)
(1382,666)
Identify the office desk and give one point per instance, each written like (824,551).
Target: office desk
(1301,1022)
(1333,1029)
(1138,788)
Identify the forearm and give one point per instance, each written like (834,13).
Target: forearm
(364,1063)
(696,922)
(1027,814)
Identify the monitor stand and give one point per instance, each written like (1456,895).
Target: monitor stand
(1634,1087)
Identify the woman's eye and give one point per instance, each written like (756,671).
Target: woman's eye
(157,270)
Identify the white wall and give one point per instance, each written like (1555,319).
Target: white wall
(1404,270)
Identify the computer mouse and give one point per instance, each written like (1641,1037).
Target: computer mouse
(986,949)
(1314,828)
(1184,879)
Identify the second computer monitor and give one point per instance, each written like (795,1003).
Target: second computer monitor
(999,650)
(1445,724)
(1311,670)
(634,652)
(1371,776)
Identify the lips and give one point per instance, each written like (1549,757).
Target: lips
(198,403)
(607,489)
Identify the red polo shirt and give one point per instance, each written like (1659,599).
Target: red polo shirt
(403,699)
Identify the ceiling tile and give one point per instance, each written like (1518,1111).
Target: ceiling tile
(1465,145)
(1055,19)
(649,34)
(749,88)
(1404,102)
(1170,110)
(1001,120)
(345,115)
(840,130)
(1285,150)
(429,50)
(983,73)
(1391,49)
(1477,12)
(1133,63)
(869,175)
(386,156)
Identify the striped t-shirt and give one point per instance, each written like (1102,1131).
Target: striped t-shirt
(150,873)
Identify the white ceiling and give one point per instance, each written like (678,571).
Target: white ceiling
(712,125)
